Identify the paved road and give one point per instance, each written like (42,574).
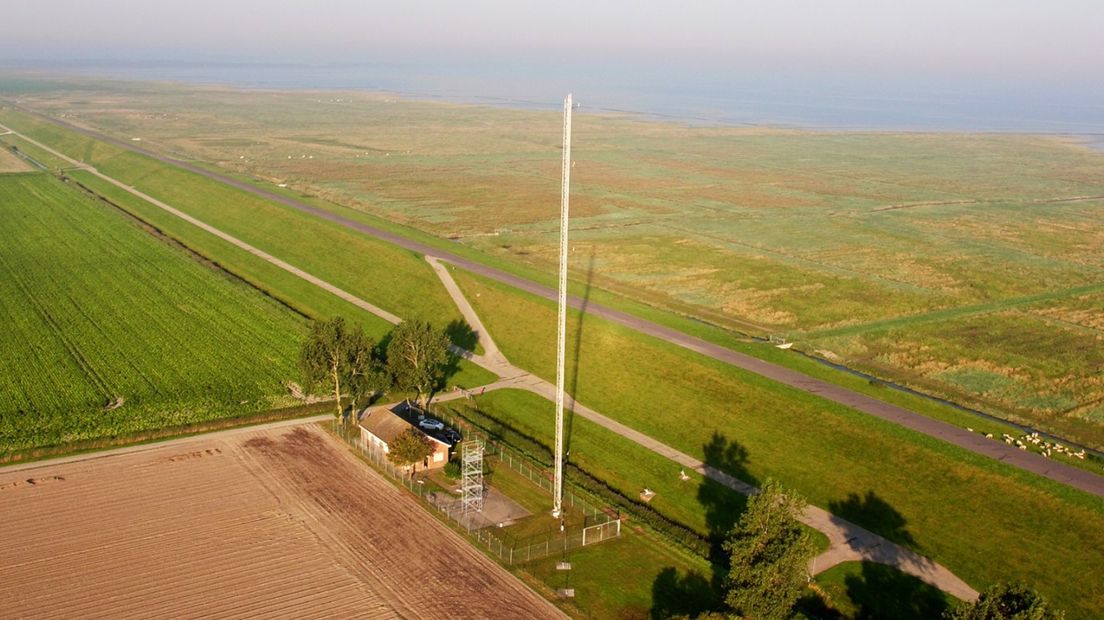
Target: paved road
(847,542)
(1028,461)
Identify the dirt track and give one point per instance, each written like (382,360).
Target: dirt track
(277,523)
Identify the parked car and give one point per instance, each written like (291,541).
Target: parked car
(452,435)
(431,424)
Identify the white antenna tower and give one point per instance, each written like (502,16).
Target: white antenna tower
(472,472)
(565,190)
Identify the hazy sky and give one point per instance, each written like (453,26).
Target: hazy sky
(1011,39)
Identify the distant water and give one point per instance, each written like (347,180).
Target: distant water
(709,97)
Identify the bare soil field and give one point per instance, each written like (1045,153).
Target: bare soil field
(276,523)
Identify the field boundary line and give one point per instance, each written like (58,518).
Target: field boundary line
(847,540)
(161,443)
(957,312)
(349,297)
(1027,461)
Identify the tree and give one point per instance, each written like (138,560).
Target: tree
(770,553)
(417,356)
(335,354)
(1004,601)
(409,447)
(367,374)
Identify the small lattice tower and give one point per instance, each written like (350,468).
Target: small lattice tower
(472,475)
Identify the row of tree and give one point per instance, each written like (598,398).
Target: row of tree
(342,358)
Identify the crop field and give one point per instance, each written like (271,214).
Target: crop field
(756,229)
(110,330)
(279,523)
(993,522)
(394,279)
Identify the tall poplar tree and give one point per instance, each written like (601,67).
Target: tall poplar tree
(417,357)
(343,358)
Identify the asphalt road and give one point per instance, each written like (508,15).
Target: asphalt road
(1025,460)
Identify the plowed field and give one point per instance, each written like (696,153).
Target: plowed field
(276,523)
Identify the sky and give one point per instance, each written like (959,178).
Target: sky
(988,64)
(1009,39)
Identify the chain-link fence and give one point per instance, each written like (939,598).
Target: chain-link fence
(597,524)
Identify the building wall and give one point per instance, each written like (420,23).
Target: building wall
(439,457)
(436,460)
(370,441)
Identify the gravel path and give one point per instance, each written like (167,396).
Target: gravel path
(848,542)
(1028,461)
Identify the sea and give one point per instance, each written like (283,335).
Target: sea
(695,95)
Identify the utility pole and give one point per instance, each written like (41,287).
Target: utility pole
(561,336)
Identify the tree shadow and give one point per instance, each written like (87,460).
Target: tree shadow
(875,514)
(574,389)
(696,593)
(884,592)
(813,605)
(462,335)
(686,595)
(723,504)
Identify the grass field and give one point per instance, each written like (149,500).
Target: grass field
(865,590)
(759,230)
(397,280)
(993,522)
(113,331)
(655,578)
(994,359)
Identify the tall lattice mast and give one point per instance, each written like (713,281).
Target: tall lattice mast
(565,191)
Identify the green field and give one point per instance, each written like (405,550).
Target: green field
(866,590)
(992,523)
(112,331)
(394,279)
(757,230)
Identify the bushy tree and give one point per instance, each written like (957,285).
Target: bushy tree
(1004,601)
(367,373)
(344,358)
(417,357)
(770,553)
(409,447)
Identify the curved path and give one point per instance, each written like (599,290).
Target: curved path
(847,541)
(1028,461)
